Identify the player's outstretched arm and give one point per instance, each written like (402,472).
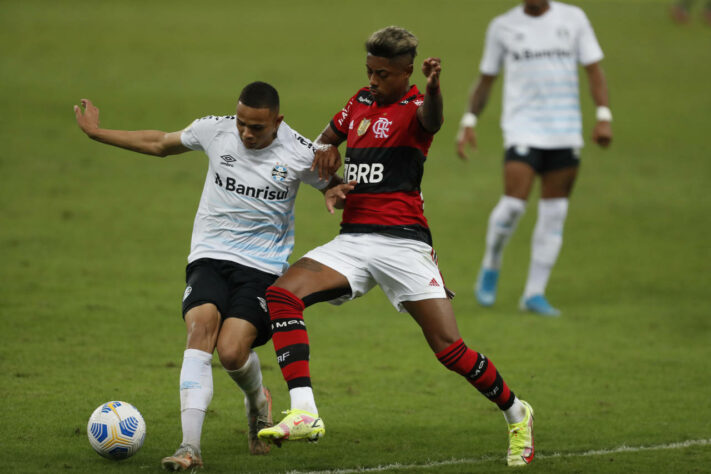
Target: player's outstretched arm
(430,114)
(327,158)
(150,142)
(602,133)
(477,101)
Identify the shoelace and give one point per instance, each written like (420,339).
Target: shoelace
(516,441)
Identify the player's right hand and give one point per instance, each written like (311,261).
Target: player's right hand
(336,196)
(465,136)
(327,162)
(87,116)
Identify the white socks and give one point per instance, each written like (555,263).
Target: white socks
(249,379)
(516,412)
(302,398)
(195,393)
(502,223)
(546,243)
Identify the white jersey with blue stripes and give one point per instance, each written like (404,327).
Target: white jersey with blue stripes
(246,211)
(540,56)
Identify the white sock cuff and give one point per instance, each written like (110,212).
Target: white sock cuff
(251,360)
(302,398)
(197,354)
(513,204)
(553,207)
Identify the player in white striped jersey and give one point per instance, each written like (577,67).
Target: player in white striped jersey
(539,44)
(242,237)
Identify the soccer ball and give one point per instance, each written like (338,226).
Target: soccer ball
(116,430)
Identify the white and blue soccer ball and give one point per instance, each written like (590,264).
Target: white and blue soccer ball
(116,430)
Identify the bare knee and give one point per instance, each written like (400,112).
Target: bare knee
(233,357)
(202,324)
(235,342)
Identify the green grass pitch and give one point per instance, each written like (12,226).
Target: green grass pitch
(93,242)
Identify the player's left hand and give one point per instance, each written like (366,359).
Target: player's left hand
(602,134)
(431,68)
(326,161)
(336,196)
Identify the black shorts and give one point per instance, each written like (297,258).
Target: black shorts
(542,160)
(236,290)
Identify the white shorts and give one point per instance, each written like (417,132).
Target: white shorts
(405,269)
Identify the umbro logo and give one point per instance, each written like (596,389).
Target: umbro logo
(227,160)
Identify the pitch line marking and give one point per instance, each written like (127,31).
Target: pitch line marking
(449,462)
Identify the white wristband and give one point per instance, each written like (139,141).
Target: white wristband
(320,146)
(603,114)
(468,120)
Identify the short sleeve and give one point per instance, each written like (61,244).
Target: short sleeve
(341,120)
(197,135)
(303,154)
(494,51)
(589,50)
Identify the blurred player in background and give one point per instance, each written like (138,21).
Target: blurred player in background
(385,240)
(539,44)
(681,11)
(242,236)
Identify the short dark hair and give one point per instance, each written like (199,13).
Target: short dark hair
(260,95)
(391,42)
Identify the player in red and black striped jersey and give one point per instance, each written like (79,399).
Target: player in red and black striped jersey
(386,151)
(385,240)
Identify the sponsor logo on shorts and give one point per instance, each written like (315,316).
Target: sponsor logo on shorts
(262,303)
(434,282)
(188,290)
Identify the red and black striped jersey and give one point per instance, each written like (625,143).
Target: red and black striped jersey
(386,148)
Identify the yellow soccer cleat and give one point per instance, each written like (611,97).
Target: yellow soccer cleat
(296,425)
(521,440)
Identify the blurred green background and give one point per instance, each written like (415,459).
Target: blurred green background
(93,242)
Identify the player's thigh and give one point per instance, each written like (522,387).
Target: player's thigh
(436,318)
(520,167)
(336,271)
(205,299)
(235,341)
(558,179)
(202,324)
(405,269)
(247,302)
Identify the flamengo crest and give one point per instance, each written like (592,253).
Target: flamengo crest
(381,128)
